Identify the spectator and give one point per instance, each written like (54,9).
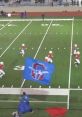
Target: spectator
(43,16)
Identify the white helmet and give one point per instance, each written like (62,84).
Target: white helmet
(75,45)
(78,52)
(50,52)
(1,63)
(23,44)
(46,57)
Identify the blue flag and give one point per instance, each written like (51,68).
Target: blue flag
(39,71)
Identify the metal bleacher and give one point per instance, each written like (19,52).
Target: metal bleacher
(41,3)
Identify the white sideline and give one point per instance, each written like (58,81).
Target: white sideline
(39,91)
(36,19)
(70,63)
(71,54)
(35,91)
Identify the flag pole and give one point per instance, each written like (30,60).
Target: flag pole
(21,88)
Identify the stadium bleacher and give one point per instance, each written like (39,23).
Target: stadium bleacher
(41,2)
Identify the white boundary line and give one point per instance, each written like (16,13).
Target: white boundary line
(69,80)
(39,47)
(36,19)
(15,39)
(71,54)
(35,91)
(39,91)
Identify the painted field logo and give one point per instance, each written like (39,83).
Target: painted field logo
(38,71)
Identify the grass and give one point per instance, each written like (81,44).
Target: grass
(57,39)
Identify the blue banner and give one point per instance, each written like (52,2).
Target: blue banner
(38,71)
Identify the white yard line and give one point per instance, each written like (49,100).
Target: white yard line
(70,63)
(46,19)
(39,47)
(5,25)
(15,39)
(43,39)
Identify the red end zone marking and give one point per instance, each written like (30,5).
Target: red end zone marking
(56,112)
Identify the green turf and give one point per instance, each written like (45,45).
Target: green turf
(58,39)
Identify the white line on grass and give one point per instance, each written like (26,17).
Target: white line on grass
(39,47)
(15,39)
(35,19)
(5,25)
(32,101)
(43,39)
(70,63)
(71,54)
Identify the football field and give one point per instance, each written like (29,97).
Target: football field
(40,37)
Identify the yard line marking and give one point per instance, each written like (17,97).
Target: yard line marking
(15,38)
(5,25)
(70,63)
(39,47)
(43,39)
(23,83)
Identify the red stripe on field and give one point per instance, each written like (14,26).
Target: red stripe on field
(56,112)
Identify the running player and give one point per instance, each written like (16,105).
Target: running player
(2,73)
(22,50)
(77,59)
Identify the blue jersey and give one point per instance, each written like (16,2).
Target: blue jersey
(24,105)
(25,98)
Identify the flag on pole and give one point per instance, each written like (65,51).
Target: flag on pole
(38,71)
